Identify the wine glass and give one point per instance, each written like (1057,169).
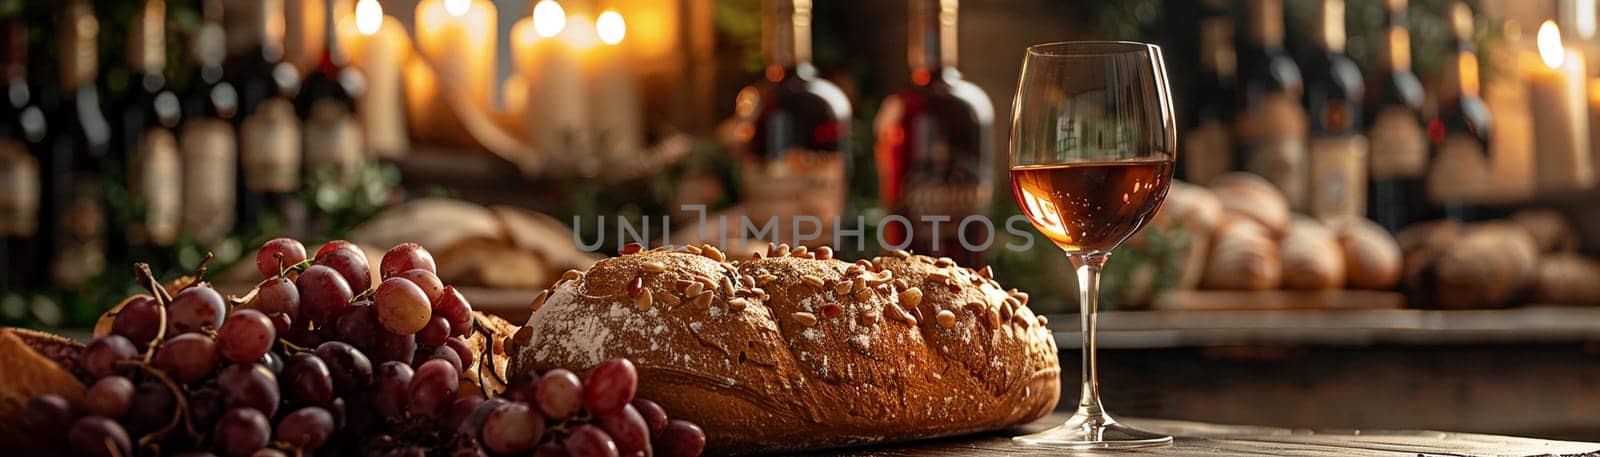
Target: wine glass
(1092,148)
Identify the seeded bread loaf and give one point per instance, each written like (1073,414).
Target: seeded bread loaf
(796,350)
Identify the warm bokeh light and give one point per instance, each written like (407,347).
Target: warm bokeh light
(457,7)
(548,18)
(580,32)
(369,17)
(610,27)
(1550,45)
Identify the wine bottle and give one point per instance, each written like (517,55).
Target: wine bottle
(206,138)
(1459,132)
(145,118)
(1208,143)
(1269,122)
(1337,184)
(22,131)
(331,134)
(75,209)
(269,132)
(935,144)
(795,130)
(1398,156)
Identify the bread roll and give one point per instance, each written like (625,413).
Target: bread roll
(31,364)
(1492,265)
(1550,230)
(1195,212)
(1244,257)
(1371,256)
(1311,257)
(1254,197)
(1568,279)
(789,352)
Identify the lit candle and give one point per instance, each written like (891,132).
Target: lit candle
(1556,96)
(555,115)
(613,95)
(458,37)
(378,45)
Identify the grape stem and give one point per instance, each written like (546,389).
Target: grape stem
(487,358)
(200,270)
(148,280)
(179,413)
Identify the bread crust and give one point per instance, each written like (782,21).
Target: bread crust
(793,352)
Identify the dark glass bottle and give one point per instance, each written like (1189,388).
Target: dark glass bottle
(1397,158)
(795,132)
(1208,141)
(22,134)
(269,131)
(75,207)
(935,145)
(334,149)
(1459,133)
(1269,121)
(1337,151)
(145,118)
(206,137)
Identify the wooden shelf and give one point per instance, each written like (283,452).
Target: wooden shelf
(1360,327)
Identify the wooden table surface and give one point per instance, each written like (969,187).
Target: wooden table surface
(1210,440)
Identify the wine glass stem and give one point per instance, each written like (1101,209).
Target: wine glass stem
(1088,266)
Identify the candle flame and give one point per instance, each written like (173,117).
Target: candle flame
(457,7)
(610,27)
(549,18)
(1550,45)
(369,17)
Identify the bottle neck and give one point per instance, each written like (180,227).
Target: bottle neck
(333,57)
(210,41)
(268,29)
(79,54)
(1266,24)
(933,38)
(1330,19)
(1394,47)
(147,47)
(1461,70)
(787,29)
(15,59)
(1216,45)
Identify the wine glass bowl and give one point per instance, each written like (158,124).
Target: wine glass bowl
(1092,149)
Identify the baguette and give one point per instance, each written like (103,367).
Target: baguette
(791,352)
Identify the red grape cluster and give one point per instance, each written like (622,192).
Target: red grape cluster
(318,360)
(555,414)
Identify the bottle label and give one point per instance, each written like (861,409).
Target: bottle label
(800,182)
(1207,152)
(208,179)
(156,181)
(1459,172)
(1338,177)
(19,189)
(1399,148)
(333,142)
(80,255)
(271,148)
(1272,137)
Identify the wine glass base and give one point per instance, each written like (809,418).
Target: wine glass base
(1093,432)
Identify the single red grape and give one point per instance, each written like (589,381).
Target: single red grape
(100,357)
(278,297)
(109,397)
(558,395)
(188,358)
(629,431)
(205,407)
(196,309)
(359,326)
(241,432)
(306,429)
(394,348)
(277,254)
(654,415)
(589,441)
(48,416)
(245,336)
(391,385)
(512,428)
(680,439)
(307,381)
(427,280)
(406,256)
(433,387)
(324,294)
(454,307)
(95,436)
(153,406)
(351,370)
(463,350)
(440,353)
(138,320)
(351,264)
(434,332)
(402,307)
(611,386)
(337,245)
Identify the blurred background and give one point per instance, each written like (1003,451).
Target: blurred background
(1385,213)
